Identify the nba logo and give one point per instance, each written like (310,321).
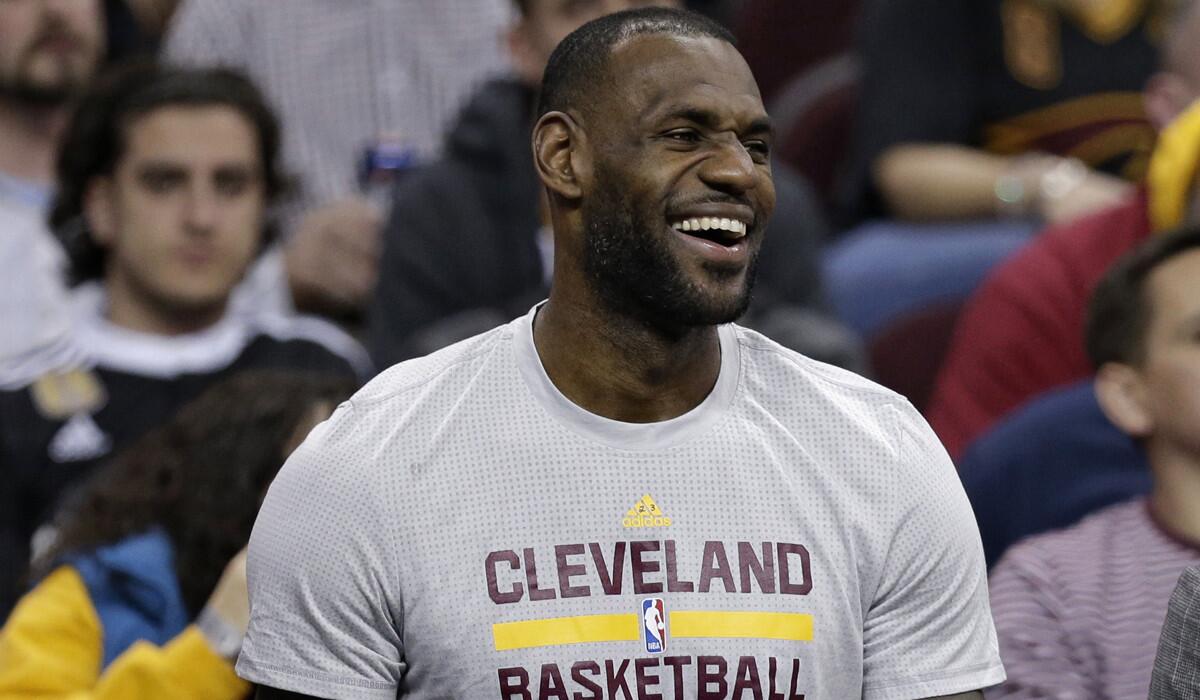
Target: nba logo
(654,625)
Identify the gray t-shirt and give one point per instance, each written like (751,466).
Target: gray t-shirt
(459,529)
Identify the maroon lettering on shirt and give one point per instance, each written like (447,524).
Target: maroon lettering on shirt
(490,564)
(715,565)
(641,567)
(785,581)
(567,570)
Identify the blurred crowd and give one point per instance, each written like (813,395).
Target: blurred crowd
(219,217)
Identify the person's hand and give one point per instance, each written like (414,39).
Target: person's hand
(230,600)
(1094,192)
(332,258)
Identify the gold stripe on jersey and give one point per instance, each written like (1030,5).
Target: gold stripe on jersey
(1013,135)
(684,624)
(796,627)
(556,631)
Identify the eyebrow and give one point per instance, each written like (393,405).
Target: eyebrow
(160,167)
(760,126)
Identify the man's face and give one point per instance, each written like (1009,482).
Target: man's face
(49,49)
(548,22)
(182,214)
(1170,370)
(681,183)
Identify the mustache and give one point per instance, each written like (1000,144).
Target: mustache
(716,198)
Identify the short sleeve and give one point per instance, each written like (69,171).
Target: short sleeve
(928,631)
(324,617)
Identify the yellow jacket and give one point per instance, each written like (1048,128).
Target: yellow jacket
(51,647)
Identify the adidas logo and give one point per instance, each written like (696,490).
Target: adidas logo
(79,439)
(645,513)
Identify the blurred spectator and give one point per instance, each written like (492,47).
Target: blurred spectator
(1007,107)
(1177,665)
(48,53)
(469,247)
(343,75)
(163,182)
(1078,611)
(1021,333)
(1047,465)
(976,121)
(143,594)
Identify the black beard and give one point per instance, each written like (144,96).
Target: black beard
(18,87)
(634,273)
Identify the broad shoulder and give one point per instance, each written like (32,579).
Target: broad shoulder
(797,388)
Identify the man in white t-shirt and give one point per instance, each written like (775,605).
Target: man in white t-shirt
(621,494)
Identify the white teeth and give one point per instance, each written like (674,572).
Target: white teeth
(707,223)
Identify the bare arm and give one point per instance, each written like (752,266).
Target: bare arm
(930,182)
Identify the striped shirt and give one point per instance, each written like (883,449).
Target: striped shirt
(342,73)
(1079,611)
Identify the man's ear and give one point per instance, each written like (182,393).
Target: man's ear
(558,154)
(1122,395)
(98,210)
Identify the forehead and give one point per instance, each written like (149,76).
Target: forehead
(192,134)
(658,73)
(1174,287)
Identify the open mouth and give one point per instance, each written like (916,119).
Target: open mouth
(716,229)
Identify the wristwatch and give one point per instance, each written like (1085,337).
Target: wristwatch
(224,638)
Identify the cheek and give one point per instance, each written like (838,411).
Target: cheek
(145,227)
(1176,391)
(243,225)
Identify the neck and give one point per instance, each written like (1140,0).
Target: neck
(29,138)
(623,369)
(139,312)
(1176,491)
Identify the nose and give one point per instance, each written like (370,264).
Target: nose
(201,210)
(730,168)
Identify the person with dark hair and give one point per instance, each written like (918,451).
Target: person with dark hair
(1021,333)
(348,78)
(623,489)
(469,244)
(49,52)
(143,592)
(164,178)
(1078,611)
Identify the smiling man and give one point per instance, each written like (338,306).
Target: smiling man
(622,494)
